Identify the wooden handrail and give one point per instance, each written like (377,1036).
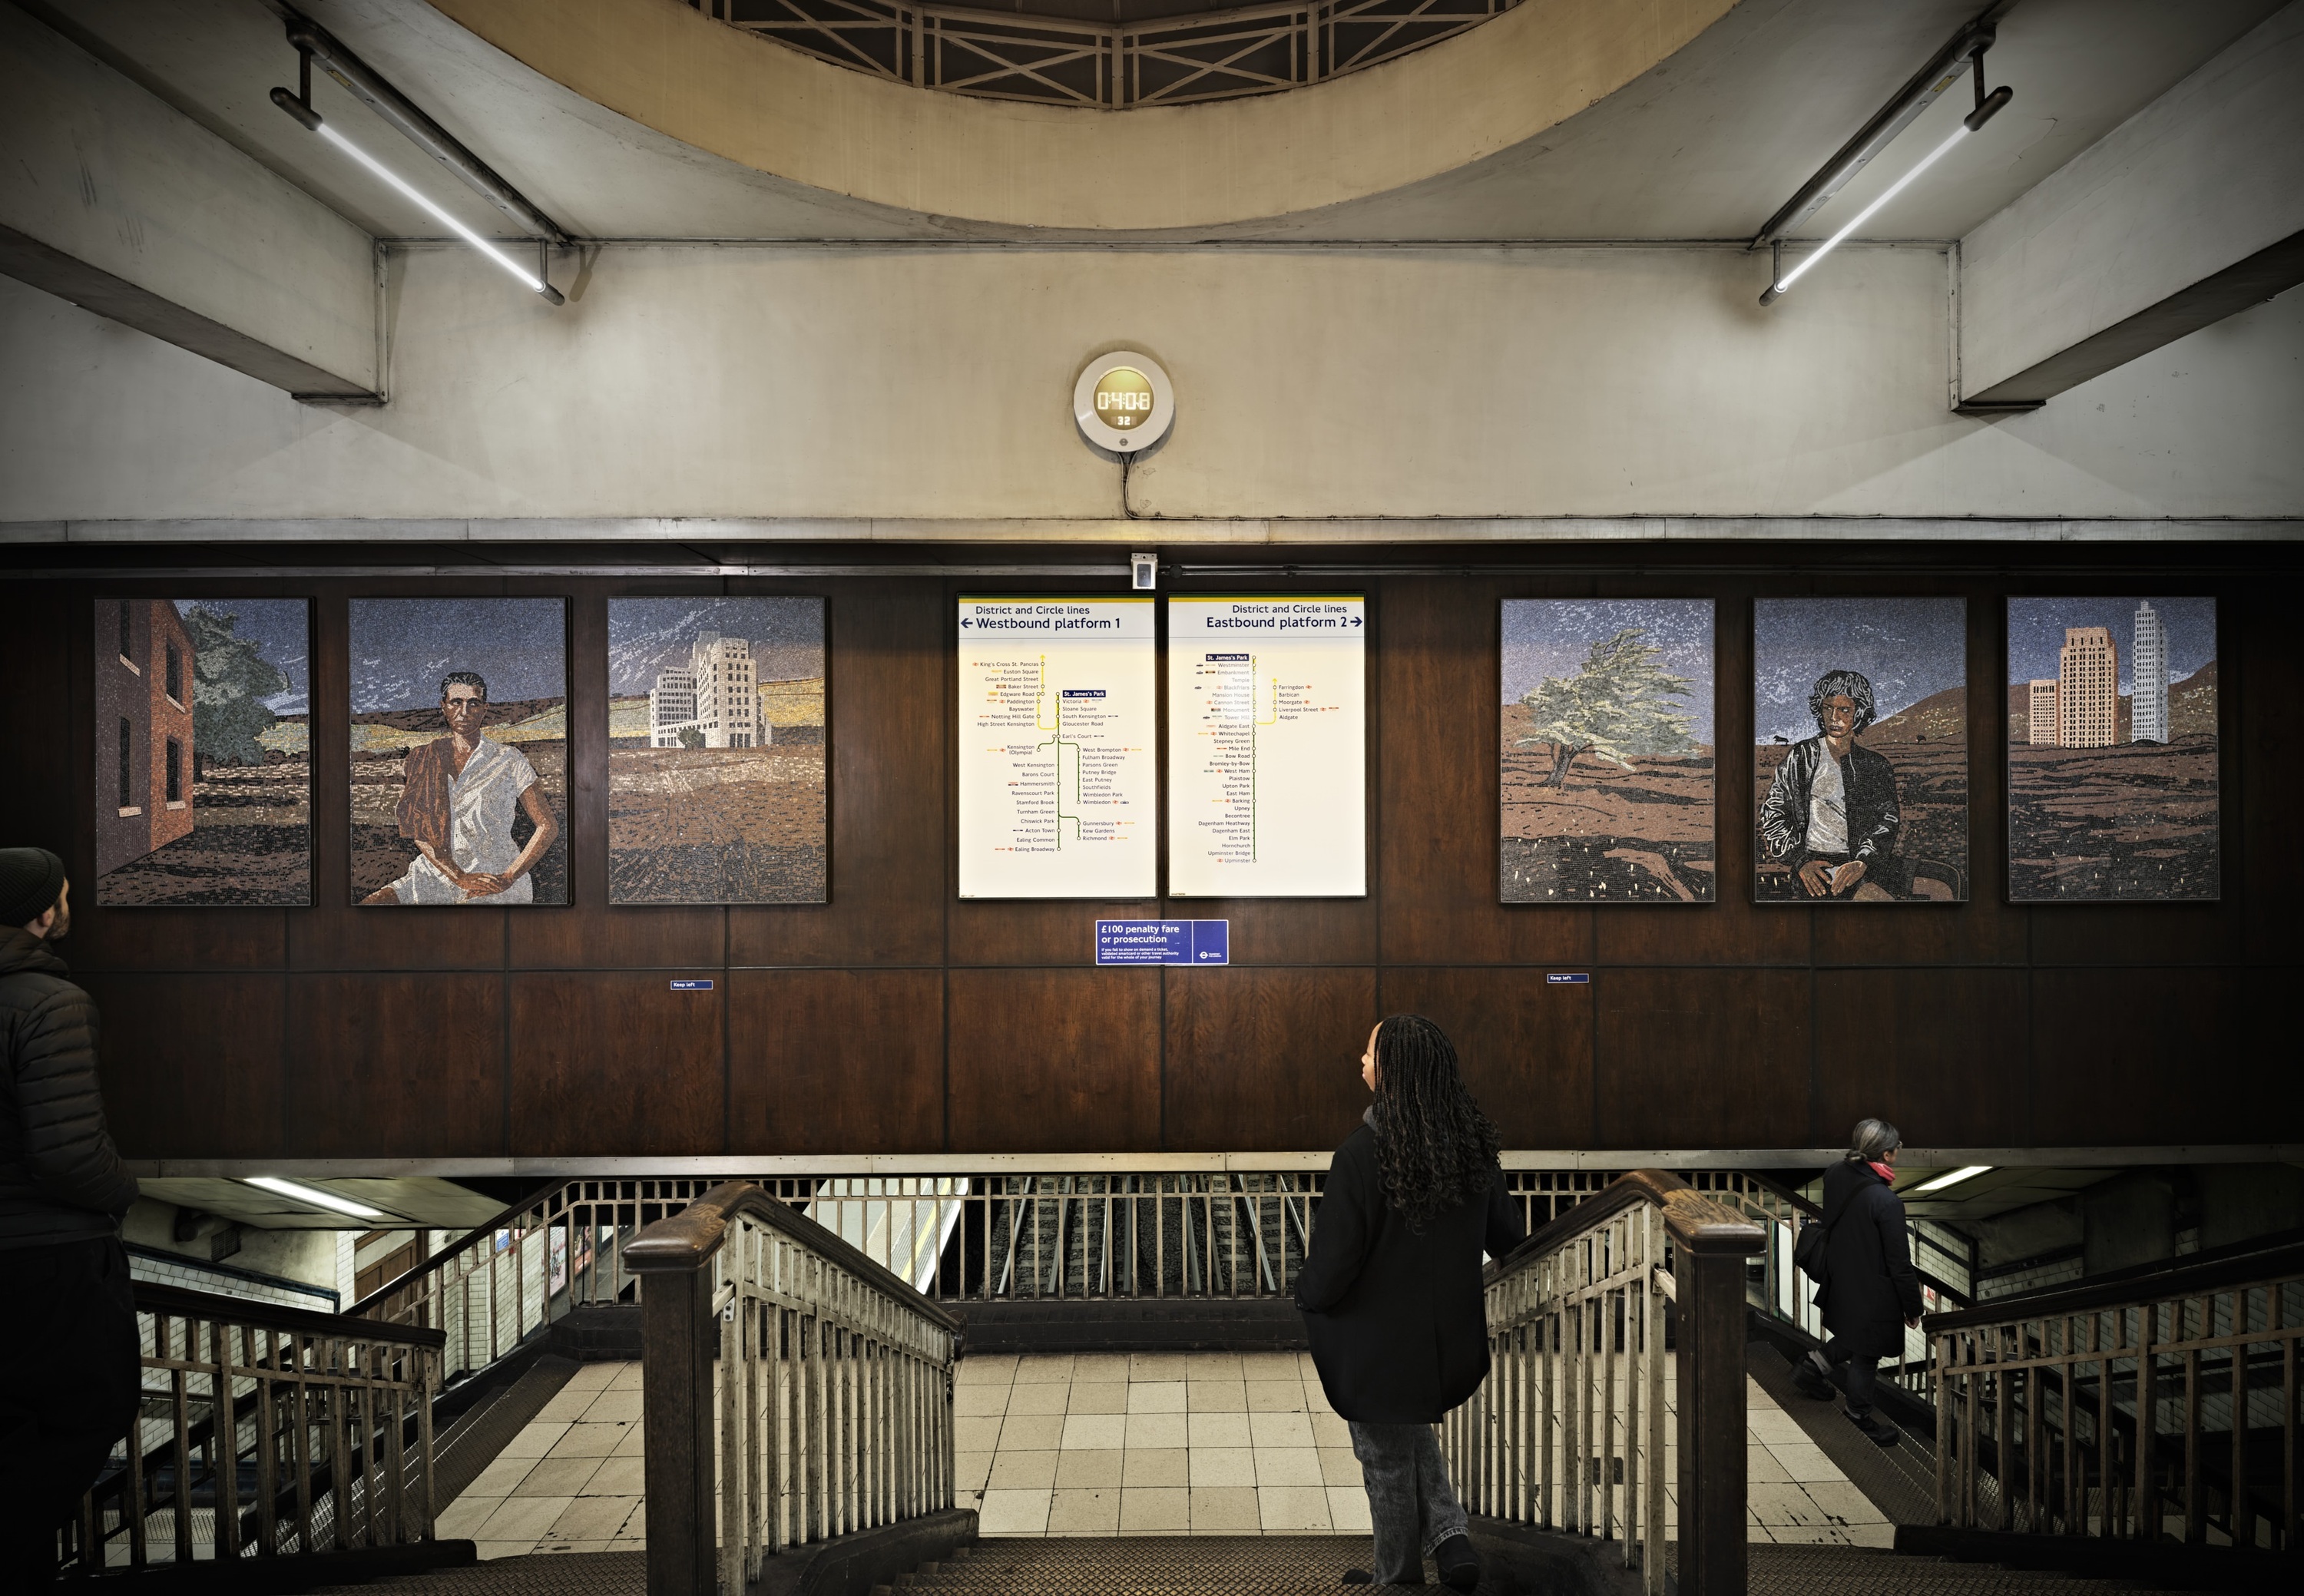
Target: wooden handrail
(835,1368)
(1581,1294)
(333,1415)
(689,1239)
(2131,1289)
(151,1297)
(1690,1219)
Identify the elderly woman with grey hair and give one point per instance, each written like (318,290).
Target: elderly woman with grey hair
(1870,1293)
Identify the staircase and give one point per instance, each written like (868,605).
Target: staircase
(1260,1565)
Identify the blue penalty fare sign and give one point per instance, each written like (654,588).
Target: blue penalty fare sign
(1164,942)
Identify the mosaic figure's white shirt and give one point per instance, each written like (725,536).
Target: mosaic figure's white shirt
(482,800)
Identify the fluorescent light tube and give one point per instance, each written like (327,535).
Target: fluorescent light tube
(1862,217)
(535,284)
(1954,1179)
(315,1196)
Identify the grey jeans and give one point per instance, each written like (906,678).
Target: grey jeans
(1410,1502)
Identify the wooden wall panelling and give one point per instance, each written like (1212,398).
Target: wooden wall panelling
(1732,929)
(1944,1053)
(1052,1060)
(835,1061)
(192,1064)
(335,933)
(2196,933)
(1437,786)
(396,1064)
(1264,1059)
(1986,929)
(42,800)
(2263,863)
(1703,1026)
(887,713)
(617,1062)
(1525,1046)
(2160,1056)
(588,934)
(1009,931)
(122,938)
(1692,1058)
(1289,930)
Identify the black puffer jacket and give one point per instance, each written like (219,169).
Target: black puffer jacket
(61,1178)
(1869,1289)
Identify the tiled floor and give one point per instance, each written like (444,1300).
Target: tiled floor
(1153,1444)
(1794,1494)
(1110,1444)
(569,1481)
(1245,1443)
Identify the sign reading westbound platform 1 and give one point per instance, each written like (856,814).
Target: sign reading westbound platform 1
(1059,779)
(1164,942)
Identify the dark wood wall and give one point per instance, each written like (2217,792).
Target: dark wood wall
(898,1019)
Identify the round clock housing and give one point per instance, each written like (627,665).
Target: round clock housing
(1123,402)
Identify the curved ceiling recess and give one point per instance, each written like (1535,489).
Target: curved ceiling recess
(1112,55)
(730,91)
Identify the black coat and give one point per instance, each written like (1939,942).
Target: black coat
(1397,1320)
(1869,1289)
(61,1179)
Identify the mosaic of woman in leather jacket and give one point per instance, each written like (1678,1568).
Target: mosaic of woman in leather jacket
(1831,812)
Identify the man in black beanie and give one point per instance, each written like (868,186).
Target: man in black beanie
(68,1338)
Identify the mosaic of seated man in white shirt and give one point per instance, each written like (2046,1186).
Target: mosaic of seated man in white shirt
(461,794)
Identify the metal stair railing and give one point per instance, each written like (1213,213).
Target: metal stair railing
(834,1399)
(2162,1408)
(1568,1432)
(263,1432)
(557,1249)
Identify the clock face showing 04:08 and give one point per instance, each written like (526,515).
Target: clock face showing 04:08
(1123,402)
(1123,397)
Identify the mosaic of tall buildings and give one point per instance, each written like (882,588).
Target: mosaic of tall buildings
(2080,708)
(712,701)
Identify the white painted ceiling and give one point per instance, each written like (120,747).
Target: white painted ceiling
(1704,146)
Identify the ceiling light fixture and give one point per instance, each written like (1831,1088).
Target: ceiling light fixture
(308,40)
(1967,47)
(315,1196)
(1952,1179)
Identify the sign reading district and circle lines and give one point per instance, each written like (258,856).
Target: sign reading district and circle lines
(1123,402)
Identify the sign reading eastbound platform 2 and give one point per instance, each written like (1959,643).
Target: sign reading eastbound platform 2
(1164,942)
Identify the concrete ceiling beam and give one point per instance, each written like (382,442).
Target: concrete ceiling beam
(2188,212)
(119,203)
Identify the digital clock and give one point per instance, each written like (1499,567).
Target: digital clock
(1123,402)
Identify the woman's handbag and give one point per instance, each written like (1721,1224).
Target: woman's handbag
(1810,1247)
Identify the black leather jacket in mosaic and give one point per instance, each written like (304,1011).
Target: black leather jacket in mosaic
(1869,784)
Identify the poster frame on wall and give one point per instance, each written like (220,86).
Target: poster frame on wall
(977,871)
(1353,610)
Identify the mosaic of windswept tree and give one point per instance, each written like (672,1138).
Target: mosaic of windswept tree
(1607,755)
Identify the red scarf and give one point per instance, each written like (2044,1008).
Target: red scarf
(1884,1172)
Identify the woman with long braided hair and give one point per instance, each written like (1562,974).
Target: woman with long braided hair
(1390,1290)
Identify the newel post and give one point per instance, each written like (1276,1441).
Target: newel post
(679,1335)
(1708,1290)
